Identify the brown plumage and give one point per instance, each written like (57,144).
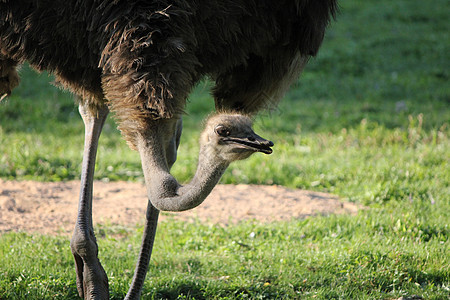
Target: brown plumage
(144,57)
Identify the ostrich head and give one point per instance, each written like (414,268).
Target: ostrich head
(227,137)
(230,137)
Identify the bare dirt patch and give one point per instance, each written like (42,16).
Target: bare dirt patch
(51,207)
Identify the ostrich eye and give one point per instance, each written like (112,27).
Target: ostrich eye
(222,131)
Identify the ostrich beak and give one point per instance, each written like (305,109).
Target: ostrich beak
(253,142)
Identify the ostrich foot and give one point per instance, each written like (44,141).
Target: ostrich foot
(92,282)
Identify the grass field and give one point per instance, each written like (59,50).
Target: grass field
(367,121)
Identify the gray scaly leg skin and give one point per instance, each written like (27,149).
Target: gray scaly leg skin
(150,225)
(92,282)
(146,251)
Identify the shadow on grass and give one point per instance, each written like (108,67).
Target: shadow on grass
(201,290)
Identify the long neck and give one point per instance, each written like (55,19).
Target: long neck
(164,192)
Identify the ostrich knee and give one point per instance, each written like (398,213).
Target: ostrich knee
(92,282)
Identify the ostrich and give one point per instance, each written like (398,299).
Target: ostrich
(140,59)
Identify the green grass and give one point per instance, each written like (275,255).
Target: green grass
(368,121)
(332,257)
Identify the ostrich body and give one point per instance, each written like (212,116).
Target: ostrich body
(140,59)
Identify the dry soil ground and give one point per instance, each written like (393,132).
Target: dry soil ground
(51,207)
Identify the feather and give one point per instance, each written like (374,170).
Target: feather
(144,57)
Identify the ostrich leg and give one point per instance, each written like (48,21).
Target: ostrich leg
(146,251)
(92,282)
(150,226)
